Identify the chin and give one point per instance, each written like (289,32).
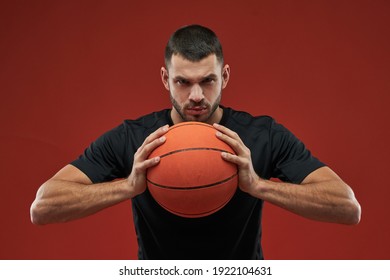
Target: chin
(196,118)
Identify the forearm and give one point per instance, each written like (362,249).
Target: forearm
(60,201)
(322,195)
(329,200)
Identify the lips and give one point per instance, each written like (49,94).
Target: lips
(196,110)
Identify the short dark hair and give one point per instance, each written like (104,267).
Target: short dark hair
(193,42)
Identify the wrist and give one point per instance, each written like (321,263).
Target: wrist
(125,189)
(259,188)
(133,188)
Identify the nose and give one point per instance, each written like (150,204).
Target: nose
(196,93)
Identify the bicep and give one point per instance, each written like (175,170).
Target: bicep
(320,175)
(72,174)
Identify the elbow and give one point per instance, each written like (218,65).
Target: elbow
(39,210)
(354,213)
(37,215)
(357,214)
(353,210)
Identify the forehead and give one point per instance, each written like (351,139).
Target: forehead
(180,66)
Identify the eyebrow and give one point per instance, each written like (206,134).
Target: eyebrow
(209,76)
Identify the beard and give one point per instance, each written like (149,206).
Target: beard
(210,109)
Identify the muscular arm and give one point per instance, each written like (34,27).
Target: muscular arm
(322,195)
(71,195)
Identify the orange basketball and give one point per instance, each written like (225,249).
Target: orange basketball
(192,180)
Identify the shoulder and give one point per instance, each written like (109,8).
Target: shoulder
(142,126)
(243,120)
(257,129)
(149,122)
(135,130)
(158,118)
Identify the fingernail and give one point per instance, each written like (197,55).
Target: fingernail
(162,138)
(219,134)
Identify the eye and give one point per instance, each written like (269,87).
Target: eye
(181,82)
(208,81)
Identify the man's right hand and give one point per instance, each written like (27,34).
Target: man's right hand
(137,178)
(71,195)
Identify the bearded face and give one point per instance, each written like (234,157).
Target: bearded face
(195,88)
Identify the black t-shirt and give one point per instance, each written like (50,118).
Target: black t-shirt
(234,232)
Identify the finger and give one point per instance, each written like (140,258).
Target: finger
(139,169)
(147,164)
(233,141)
(148,148)
(156,134)
(231,158)
(226,131)
(240,161)
(152,137)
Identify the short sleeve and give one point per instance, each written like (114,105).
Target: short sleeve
(105,159)
(292,161)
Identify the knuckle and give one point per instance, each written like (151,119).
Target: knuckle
(137,168)
(139,150)
(245,163)
(137,154)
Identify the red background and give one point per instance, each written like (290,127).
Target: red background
(70,70)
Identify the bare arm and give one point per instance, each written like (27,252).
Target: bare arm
(70,194)
(322,195)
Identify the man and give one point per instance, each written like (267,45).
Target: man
(195,75)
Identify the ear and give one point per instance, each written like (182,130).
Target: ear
(225,75)
(164,77)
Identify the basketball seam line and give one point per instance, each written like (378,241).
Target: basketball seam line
(194,187)
(194,149)
(195,215)
(191,123)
